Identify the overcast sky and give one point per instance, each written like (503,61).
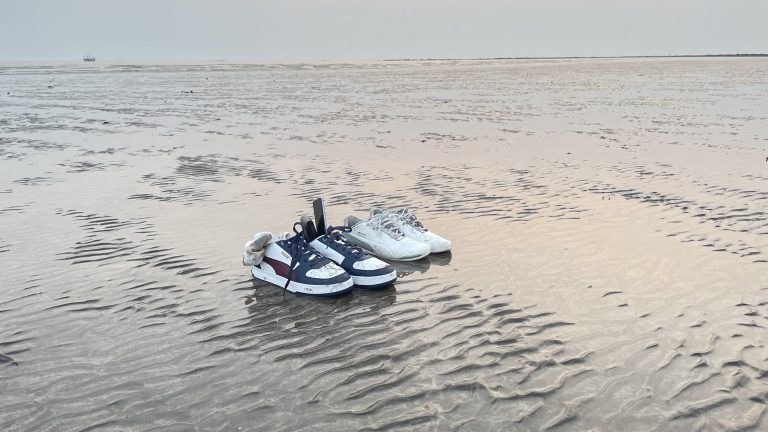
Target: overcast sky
(291,30)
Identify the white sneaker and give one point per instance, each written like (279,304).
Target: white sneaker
(381,236)
(410,225)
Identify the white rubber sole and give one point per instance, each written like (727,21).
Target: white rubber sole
(301,288)
(375,281)
(448,249)
(416,258)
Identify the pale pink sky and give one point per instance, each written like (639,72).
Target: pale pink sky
(273,30)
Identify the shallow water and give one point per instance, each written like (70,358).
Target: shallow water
(608,222)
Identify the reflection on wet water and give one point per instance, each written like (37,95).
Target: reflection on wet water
(408,268)
(607,218)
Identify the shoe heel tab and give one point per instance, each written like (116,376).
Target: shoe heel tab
(351,221)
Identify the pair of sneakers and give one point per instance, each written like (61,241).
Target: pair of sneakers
(396,235)
(316,261)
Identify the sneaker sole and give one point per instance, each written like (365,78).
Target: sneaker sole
(375,282)
(411,258)
(448,249)
(330,290)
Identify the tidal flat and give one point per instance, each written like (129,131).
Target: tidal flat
(608,217)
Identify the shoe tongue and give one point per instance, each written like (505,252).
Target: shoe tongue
(374,211)
(308,228)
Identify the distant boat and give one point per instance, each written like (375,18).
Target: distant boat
(89,58)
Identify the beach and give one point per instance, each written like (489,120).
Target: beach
(608,270)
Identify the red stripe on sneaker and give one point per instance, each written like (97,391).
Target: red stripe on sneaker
(280,267)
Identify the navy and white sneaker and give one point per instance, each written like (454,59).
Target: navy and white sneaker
(366,271)
(289,262)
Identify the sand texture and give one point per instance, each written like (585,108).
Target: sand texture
(608,219)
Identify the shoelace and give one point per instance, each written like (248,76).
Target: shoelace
(408,217)
(383,222)
(300,251)
(335,234)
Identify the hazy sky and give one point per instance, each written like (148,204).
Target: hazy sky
(267,30)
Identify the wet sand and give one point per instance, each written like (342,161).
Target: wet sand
(608,219)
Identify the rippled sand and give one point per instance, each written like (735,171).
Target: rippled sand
(608,221)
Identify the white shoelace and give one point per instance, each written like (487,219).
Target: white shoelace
(384,222)
(409,218)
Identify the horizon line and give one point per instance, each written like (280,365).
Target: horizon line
(407,59)
(584,57)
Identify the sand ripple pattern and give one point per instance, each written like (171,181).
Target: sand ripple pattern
(608,217)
